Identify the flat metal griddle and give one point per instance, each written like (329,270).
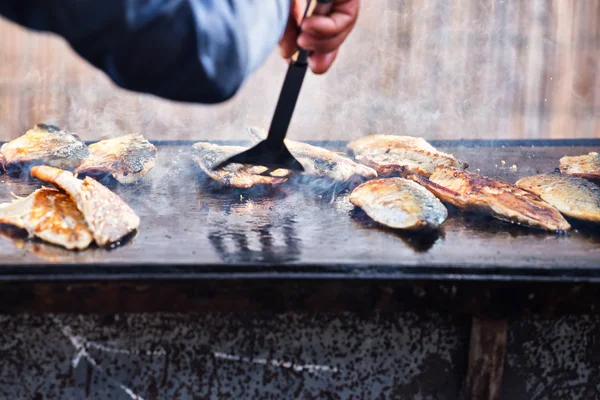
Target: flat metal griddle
(191,228)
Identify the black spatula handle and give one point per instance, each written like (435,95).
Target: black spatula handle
(291,87)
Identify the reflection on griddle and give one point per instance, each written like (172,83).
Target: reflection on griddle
(485,226)
(51,252)
(586,229)
(321,185)
(237,201)
(421,242)
(250,226)
(129,238)
(40,249)
(23,186)
(264,243)
(19,171)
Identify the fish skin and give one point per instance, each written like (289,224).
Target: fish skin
(586,166)
(207,155)
(47,145)
(321,162)
(108,217)
(50,215)
(400,155)
(399,203)
(127,158)
(472,192)
(573,196)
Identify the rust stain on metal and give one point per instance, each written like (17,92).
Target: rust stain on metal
(486,358)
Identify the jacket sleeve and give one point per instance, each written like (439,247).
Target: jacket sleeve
(185,50)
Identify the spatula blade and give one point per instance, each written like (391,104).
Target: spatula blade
(265,155)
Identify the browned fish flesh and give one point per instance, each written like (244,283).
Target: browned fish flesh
(399,204)
(321,162)
(45,144)
(472,192)
(108,217)
(50,215)
(585,166)
(207,155)
(573,196)
(127,158)
(401,155)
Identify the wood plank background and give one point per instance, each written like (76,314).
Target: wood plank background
(434,68)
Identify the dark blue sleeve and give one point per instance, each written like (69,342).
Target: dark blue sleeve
(185,50)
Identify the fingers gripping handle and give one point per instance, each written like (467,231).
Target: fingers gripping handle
(323,7)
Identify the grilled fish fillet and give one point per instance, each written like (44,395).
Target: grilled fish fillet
(573,196)
(50,215)
(586,166)
(108,217)
(321,162)
(472,192)
(391,154)
(400,204)
(127,158)
(45,144)
(207,155)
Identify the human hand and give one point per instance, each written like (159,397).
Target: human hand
(320,35)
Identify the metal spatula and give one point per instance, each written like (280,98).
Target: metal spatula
(272,152)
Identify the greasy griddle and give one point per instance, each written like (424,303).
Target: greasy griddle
(192,229)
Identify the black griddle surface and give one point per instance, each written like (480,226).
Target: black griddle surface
(190,228)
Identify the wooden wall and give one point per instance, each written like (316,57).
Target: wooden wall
(435,68)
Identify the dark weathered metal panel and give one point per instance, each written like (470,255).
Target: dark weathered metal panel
(496,299)
(553,359)
(239,356)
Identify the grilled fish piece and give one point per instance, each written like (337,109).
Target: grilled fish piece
(573,196)
(207,155)
(400,204)
(586,166)
(403,155)
(50,215)
(472,192)
(127,158)
(45,144)
(108,217)
(321,162)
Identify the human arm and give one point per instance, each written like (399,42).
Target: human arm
(186,50)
